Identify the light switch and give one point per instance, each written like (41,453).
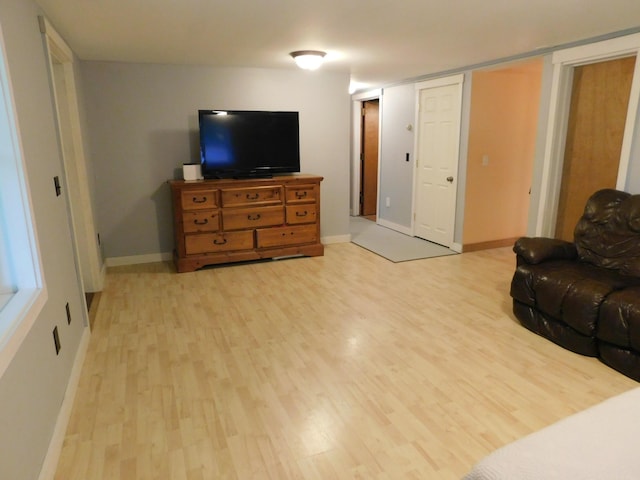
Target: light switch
(485,160)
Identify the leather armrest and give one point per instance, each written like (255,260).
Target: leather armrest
(535,250)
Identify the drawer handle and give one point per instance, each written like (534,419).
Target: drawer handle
(218,242)
(255,196)
(195,200)
(201,222)
(301,194)
(253,216)
(302,214)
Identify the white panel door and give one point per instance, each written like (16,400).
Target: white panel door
(439,110)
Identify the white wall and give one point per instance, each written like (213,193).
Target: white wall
(461,190)
(33,386)
(143,124)
(633,175)
(543,119)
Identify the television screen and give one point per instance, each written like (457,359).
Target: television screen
(240,143)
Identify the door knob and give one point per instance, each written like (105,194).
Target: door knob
(450,179)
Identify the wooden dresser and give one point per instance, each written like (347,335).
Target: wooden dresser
(221,221)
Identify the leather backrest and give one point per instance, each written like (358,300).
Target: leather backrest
(608,233)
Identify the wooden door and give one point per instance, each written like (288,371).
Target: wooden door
(437,162)
(597,117)
(369,182)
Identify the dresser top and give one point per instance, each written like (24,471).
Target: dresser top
(240,182)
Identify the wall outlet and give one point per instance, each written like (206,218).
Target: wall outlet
(485,160)
(388,202)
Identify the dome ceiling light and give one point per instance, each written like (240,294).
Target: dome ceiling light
(308,59)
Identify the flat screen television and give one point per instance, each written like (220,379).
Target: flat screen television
(246,144)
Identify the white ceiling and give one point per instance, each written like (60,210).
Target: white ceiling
(377,41)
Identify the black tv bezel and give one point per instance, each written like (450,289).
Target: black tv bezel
(257,169)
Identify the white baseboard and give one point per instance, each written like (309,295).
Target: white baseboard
(50,463)
(456,247)
(336,239)
(394,226)
(136,259)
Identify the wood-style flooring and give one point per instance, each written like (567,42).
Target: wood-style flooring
(346,366)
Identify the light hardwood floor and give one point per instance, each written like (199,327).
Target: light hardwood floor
(344,366)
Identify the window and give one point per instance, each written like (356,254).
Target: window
(6,289)
(22,291)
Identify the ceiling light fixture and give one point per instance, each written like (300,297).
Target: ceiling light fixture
(308,59)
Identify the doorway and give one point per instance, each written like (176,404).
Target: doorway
(565,63)
(597,116)
(438,139)
(369,159)
(91,267)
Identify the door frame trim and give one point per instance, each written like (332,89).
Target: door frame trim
(564,62)
(436,83)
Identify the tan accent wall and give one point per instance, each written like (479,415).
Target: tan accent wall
(502,133)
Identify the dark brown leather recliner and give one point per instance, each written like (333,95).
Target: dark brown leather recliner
(585,295)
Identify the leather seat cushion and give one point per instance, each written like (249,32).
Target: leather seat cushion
(624,360)
(619,322)
(555,330)
(568,291)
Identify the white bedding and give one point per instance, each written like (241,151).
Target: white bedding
(600,443)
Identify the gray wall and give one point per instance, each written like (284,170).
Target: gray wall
(33,386)
(142,125)
(396,174)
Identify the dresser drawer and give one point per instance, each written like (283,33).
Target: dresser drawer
(198,199)
(218,242)
(240,218)
(237,197)
(301,193)
(297,214)
(276,237)
(200,221)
